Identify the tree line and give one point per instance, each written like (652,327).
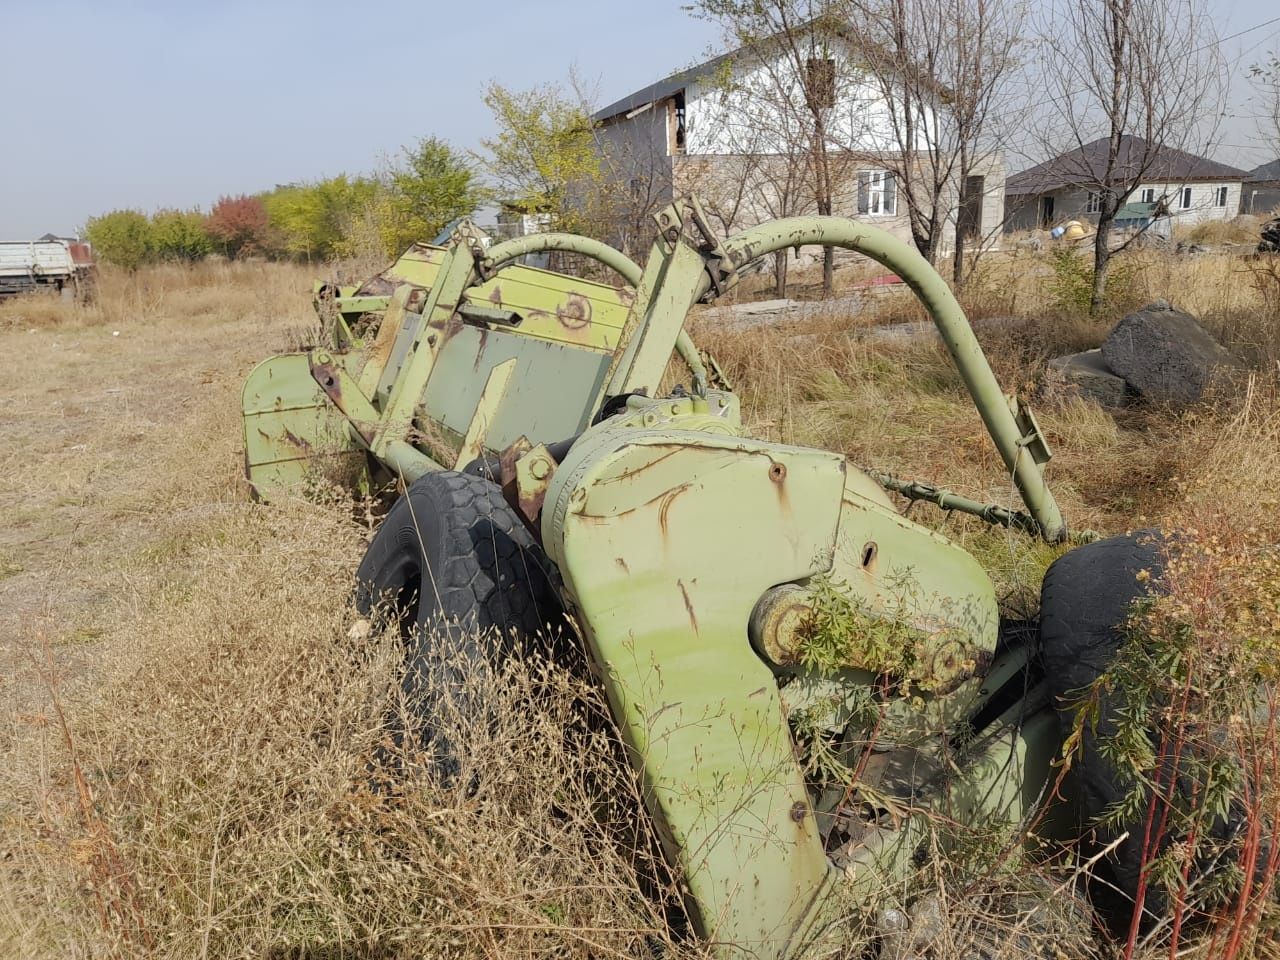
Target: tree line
(426,187)
(541,161)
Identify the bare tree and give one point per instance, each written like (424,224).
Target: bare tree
(1266,81)
(1145,75)
(782,87)
(944,71)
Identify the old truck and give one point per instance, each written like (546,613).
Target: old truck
(48,265)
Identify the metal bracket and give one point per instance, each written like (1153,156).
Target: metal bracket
(342,389)
(686,219)
(1031,438)
(495,390)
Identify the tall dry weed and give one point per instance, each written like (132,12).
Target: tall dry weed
(244,770)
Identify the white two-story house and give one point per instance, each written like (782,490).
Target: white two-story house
(733,130)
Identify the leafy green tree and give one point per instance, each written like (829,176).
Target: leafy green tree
(544,158)
(432,185)
(317,220)
(179,235)
(122,237)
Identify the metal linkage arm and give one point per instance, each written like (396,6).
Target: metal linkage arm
(630,271)
(1015,435)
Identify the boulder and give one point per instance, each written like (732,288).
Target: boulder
(1270,237)
(1087,375)
(1165,355)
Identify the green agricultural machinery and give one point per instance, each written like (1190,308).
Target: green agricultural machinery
(803,676)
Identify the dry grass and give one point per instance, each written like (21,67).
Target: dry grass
(225,725)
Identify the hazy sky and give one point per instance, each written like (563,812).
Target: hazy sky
(151,104)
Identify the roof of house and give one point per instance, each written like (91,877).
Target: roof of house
(1085,165)
(1268,171)
(680,80)
(660,90)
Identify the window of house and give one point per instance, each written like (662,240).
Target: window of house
(877,193)
(1093,203)
(1186,198)
(1148,194)
(677,119)
(820,82)
(1220,197)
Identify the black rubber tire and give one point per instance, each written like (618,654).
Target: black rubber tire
(1085,600)
(470,586)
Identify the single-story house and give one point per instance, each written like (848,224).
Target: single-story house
(718,130)
(1262,190)
(1189,188)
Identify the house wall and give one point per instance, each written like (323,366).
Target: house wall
(1203,196)
(739,139)
(636,148)
(1070,203)
(744,191)
(752,111)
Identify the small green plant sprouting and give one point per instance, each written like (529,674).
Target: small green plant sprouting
(1071,287)
(844,630)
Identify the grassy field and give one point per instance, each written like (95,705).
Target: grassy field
(190,712)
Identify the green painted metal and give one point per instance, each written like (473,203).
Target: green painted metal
(646,526)
(1017,443)
(454,317)
(667,535)
(672,532)
(293,434)
(691,554)
(602,253)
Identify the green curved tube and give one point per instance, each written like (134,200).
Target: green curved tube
(947,314)
(503,253)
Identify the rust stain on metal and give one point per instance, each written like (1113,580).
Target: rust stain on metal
(484,342)
(507,470)
(496,297)
(326,374)
(575,312)
(623,564)
(664,507)
(778,474)
(378,286)
(296,440)
(637,471)
(531,500)
(688,605)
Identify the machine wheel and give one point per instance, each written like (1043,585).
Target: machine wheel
(1084,602)
(469,586)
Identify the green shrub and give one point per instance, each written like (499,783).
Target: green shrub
(1071,288)
(122,237)
(179,235)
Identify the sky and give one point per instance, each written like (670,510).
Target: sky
(114,104)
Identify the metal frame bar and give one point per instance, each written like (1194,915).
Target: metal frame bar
(1017,447)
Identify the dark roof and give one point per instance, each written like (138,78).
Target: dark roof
(1086,165)
(660,90)
(678,81)
(1268,171)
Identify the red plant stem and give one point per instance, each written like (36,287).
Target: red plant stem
(1180,899)
(1141,895)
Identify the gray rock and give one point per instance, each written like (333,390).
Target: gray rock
(1166,356)
(1087,375)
